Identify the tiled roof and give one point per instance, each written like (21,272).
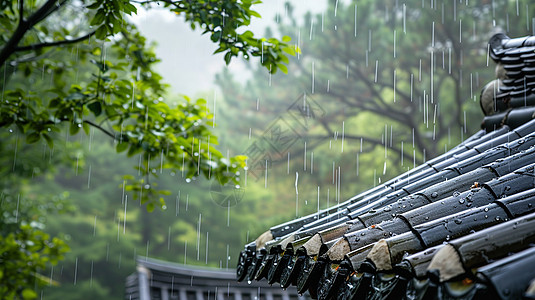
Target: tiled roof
(459,226)
(157,279)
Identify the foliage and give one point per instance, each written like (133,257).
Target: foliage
(122,96)
(100,76)
(26,249)
(221,19)
(107,229)
(398,80)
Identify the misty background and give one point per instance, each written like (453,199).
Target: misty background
(378,88)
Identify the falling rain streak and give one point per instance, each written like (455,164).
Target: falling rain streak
(411,79)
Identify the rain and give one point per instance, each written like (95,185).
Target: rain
(372,91)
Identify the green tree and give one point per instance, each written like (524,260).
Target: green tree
(399,80)
(106,229)
(99,76)
(25,247)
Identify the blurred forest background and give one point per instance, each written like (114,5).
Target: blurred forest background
(386,85)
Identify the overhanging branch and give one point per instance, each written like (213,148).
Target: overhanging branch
(24,25)
(53,44)
(106,132)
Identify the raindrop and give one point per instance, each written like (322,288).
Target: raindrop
(296,194)
(75,270)
(434,194)
(124,221)
(168,238)
(89,178)
(206,259)
(185,251)
(199,236)
(395,57)
(376,66)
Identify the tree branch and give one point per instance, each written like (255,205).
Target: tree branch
(24,25)
(52,44)
(44,11)
(101,129)
(372,141)
(21,11)
(372,107)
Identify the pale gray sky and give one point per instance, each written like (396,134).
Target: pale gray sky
(187,60)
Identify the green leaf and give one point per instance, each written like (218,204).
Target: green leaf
(75,96)
(162,201)
(94,5)
(164,192)
(95,107)
(121,147)
(128,177)
(33,137)
(134,149)
(290,50)
(150,207)
(48,140)
(101,32)
(222,179)
(73,128)
(98,18)
(29,294)
(282,68)
(85,126)
(247,35)
(255,14)
(286,39)
(228,57)
(216,36)
(102,66)
(241,158)
(220,49)
(129,8)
